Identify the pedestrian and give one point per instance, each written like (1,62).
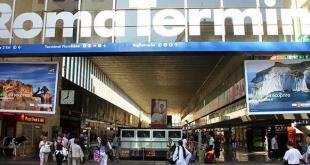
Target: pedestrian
(292,156)
(59,150)
(45,149)
(217,149)
(306,155)
(234,148)
(211,142)
(181,155)
(116,146)
(274,146)
(76,154)
(266,144)
(184,140)
(104,147)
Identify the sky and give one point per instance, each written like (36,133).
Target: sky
(32,74)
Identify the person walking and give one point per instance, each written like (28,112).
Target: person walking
(306,155)
(45,149)
(266,144)
(59,150)
(234,148)
(292,156)
(274,146)
(104,147)
(76,153)
(181,155)
(116,146)
(217,149)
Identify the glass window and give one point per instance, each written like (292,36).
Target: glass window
(60,39)
(239,3)
(62,5)
(23,6)
(27,132)
(159,134)
(122,4)
(143,134)
(154,12)
(128,134)
(203,3)
(174,134)
(279,3)
(97,5)
(170,4)
(131,35)
(160,38)
(35,40)
(10,2)
(4,41)
(206,34)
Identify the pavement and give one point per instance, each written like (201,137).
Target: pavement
(35,161)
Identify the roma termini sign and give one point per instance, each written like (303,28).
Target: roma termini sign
(166,22)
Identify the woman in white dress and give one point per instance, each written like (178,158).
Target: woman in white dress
(181,155)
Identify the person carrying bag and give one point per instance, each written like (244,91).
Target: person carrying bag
(181,155)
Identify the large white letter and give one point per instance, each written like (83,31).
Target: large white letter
(169,17)
(86,23)
(143,15)
(287,17)
(68,21)
(238,20)
(103,16)
(5,16)
(36,28)
(195,16)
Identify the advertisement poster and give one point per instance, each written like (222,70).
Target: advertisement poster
(28,87)
(277,87)
(159,113)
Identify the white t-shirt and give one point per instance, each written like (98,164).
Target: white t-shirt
(184,142)
(274,144)
(293,156)
(211,141)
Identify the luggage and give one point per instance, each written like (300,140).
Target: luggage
(209,157)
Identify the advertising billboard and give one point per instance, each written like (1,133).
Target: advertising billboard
(28,87)
(159,113)
(277,87)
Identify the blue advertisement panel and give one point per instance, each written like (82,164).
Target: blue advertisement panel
(277,87)
(28,87)
(259,47)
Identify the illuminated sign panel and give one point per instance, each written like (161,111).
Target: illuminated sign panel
(277,87)
(165,22)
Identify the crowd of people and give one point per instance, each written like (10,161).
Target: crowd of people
(69,149)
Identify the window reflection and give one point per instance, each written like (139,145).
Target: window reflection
(279,4)
(96,5)
(239,3)
(203,3)
(62,5)
(159,38)
(206,34)
(35,40)
(131,36)
(23,6)
(94,38)
(59,36)
(170,3)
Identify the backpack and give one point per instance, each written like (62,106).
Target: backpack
(171,159)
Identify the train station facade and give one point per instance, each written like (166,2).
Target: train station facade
(77,34)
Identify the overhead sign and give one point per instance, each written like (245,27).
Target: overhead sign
(28,87)
(159,113)
(31,119)
(277,87)
(165,22)
(258,47)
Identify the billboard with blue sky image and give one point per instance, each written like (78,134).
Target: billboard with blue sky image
(277,87)
(28,87)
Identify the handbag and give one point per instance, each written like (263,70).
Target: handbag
(97,156)
(64,151)
(46,148)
